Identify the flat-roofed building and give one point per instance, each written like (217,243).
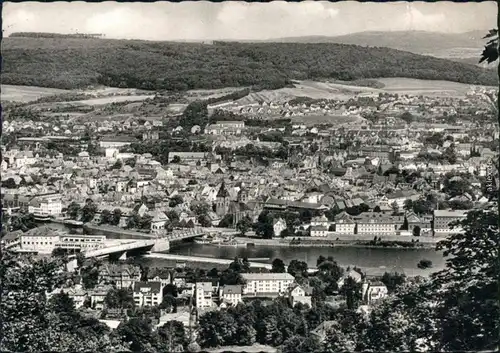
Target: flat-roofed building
(443,220)
(46,205)
(270,284)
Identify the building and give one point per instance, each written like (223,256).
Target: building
(319,231)
(193,156)
(231,294)
(116,141)
(120,276)
(81,242)
(225,128)
(344,224)
(373,292)
(376,223)
(300,294)
(266,284)
(46,205)
(148,293)
(42,239)
(158,222)
(204,295)
(444,219)
(355,275)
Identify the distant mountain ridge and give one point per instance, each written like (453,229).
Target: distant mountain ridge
(420,42)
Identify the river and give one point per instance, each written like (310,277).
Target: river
(373,259)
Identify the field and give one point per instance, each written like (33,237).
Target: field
(25,94)
(113,99)
(424,87)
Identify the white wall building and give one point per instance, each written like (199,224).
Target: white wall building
(148,293)
(266,283)
(204,295)
(46,205)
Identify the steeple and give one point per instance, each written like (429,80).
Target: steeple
(222,193)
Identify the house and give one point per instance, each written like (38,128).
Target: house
(120,276)
(231,294)
(353,274)
(46,205)
(97,296)
(204,295)
(300,294)
(158,222)
(266,284)
(148,293)
(443,220)
(225,128)
(322,330)
(319,231)
(279,225)
(373,292)
(159,275)
(344,223)
(77,293)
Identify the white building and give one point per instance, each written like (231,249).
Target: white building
(261,284)
(319,231)
(148,293)
(44,240)
(46,205)
(231,294)
(204,295)
(373,292)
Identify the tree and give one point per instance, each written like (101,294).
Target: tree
(105,217)
(395,208)
(298,343)
(133,220)
(169,303)
(30,322)
(244,225)
(119,298)
(297,268)
(115,217)
(226,221)
(352,292)
(73,210)
(408,205)
(175,200)
(170,289)
(393,280)
(467,289)
(176,159)
(424,264)
(88,211)
(58,252)
(138,334)
(216,328)
(377,209)
(118,165)
(416,231)
(172,337)
(407,117)
(278,266)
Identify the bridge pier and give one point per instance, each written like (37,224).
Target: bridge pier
(161,244)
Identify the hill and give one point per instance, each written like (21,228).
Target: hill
(461,47)
(419,42)
(69,63)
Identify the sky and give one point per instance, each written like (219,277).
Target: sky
(243,21)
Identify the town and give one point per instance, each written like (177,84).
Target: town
(268,177)
(236,174)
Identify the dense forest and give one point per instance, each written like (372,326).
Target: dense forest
(73,63)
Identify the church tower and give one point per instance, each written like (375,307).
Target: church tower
(222,200)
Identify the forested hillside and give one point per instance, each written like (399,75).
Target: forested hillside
(72,63)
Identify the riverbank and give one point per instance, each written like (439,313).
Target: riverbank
(355,241)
